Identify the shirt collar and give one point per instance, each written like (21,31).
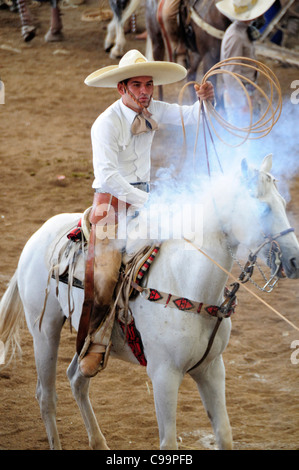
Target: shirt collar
(129,113)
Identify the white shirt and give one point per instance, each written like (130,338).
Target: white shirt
(121,158)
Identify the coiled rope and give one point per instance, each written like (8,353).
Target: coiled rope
(256,129)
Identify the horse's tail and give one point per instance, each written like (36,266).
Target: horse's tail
(11,321)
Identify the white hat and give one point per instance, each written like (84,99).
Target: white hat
(134,64)
(244,10)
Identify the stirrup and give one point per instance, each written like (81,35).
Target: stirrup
(91,347)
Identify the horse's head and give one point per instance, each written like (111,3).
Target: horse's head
(271,236)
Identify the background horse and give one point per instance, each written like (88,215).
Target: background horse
(201,33)
(115,37)
(174,338)
(28,26)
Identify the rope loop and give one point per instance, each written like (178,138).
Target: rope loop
(256,129)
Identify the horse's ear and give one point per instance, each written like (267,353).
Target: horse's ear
(244,168)
(267,163)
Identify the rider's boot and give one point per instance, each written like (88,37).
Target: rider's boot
(94,355)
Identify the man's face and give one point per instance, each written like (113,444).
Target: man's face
(142,90)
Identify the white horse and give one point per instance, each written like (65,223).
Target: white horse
(174,340)
(115,37)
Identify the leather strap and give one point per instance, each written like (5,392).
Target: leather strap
(88,292)
(106,201)
(97,348)
(210,344)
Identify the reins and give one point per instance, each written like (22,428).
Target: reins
(251,263)
(229,274)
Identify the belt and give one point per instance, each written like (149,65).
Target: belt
(139,185)
(143,186)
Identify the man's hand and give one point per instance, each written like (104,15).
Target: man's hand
(205,91)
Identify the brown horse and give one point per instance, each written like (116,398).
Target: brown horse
(201,28)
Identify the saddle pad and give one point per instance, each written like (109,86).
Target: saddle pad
(134,341)
(65,257)
(66,262)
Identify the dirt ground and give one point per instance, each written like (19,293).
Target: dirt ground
(45,134)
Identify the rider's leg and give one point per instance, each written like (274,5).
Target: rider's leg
(102,272)
(106,271)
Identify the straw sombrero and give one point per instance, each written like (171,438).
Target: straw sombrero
(134,64)
(244,10)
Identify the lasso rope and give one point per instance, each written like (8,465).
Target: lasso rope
(255,130)
(229,274)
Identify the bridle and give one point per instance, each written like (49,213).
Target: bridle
(274,251)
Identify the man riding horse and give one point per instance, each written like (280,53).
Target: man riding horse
(122,137)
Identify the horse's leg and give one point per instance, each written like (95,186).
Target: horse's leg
(28,28)
(211,386)
(110,36)
(166,384)
(46,342)
(80,389)
(155,46)
(54,34)
(120,41)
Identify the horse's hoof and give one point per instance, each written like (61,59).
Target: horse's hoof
(55,36)
(28,33)
(115,53)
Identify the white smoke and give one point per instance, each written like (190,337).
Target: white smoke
(179,203)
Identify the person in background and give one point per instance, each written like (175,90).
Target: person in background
(238,41)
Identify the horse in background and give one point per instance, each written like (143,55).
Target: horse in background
(28,27)
(115,37)
(201,27)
